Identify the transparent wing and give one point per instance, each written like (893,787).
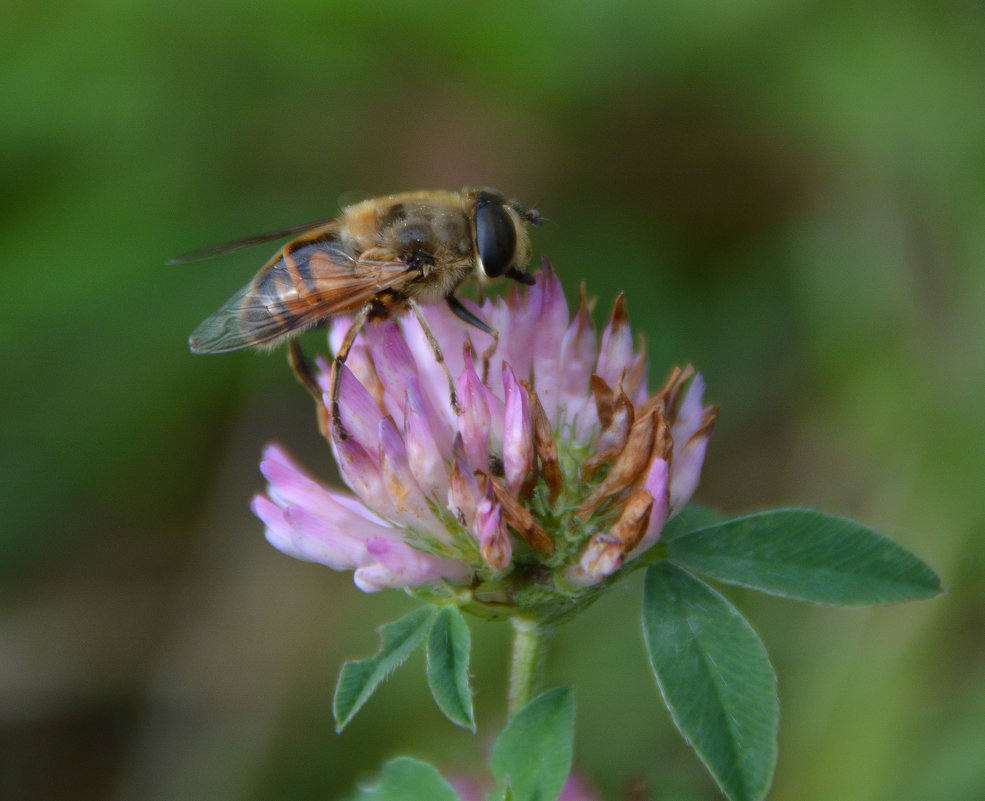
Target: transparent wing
(250,241)
(294,292)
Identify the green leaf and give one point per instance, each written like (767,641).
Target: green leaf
(533,754)
(406,779)
(808,556)
(358,680)
(715,677)
(449,647)
(691,518)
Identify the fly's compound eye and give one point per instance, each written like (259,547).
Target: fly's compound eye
(495,238)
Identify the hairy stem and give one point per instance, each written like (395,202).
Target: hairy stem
(527,665)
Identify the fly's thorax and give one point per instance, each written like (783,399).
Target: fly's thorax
(429,231)
(425,226)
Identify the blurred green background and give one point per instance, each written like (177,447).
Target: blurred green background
(791,193)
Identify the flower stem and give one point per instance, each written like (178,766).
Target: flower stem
(527,665)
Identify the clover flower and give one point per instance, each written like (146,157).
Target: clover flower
(559,468)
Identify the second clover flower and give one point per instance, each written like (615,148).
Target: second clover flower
(560,467)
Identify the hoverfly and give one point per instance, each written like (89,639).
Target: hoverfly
(379,258)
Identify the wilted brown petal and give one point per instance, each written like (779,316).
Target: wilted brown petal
(619,316)
(628,467)
(605,400)
(463,494)
(634,381)
(546,447)
(670,393)
(520,520)
(708,422)
(606,550)
(616,416)
(663,441)
(602,557)
(616,345)
(632,523)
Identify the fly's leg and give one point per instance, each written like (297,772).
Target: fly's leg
(487,354)
(438,355)
(340,356)
(305,374)
(464,314)
(303,371)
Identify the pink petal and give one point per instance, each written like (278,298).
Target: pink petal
(337,329)
(517,328)
(488,362)
(289,484)
(327,542)
(423,452)
(518,443)
(358,410)
(600,559)
(298,532)
(687,471)
(656,484)
(399,566)
(463,494)
(279,532)
(362,473)
(578,354)
(689,445)
(480,340)
(552,316)
(394,365)
(494,541)
(356,506)
(690,413)
(497,412)
(410,507)
(639,393)
(451,338)
(474,420)
(616,349)
(360,364)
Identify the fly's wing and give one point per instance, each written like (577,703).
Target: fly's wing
(298,289)
(248,242)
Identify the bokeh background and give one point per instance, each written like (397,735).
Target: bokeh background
(792,195)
